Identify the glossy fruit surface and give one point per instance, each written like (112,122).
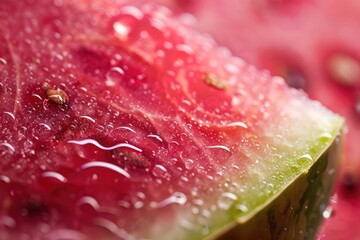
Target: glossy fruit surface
(120,121)
(313,44)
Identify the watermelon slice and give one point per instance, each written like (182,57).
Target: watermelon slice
(120,121)
(314,46)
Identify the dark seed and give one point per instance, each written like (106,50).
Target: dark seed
(33,207)
(295,79)
(131,159)
(350,184)
(56,96)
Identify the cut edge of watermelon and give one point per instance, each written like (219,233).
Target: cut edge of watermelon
(330,156)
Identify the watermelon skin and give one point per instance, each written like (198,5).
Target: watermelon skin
(295,213)
(69,115)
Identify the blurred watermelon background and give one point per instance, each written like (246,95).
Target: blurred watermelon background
(315,46)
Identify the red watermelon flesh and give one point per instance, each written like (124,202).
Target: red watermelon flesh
(121,121)
(314,45)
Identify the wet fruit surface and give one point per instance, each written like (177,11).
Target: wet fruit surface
(128,124)
(313,44)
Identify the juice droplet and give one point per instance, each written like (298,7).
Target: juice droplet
(160,171)
(176,198)
(226,200)
(129,16)
(328,212)
(114,76)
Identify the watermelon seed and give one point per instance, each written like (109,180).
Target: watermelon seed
(33,207)
(295,79)
(350,183)
(344,69)
(213,81)
(56,96)
(131,158)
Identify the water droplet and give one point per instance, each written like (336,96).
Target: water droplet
(241,207)
(7,145)
(238,124)
(175,198)
(127,19)
(206,213)
(89,201)
(232,68)
(138,204)
(205,230)
(306,158)
(160,171)
(88,118)
(110,166)
(95,143)
(189,164)
(3,61)
(184,48)
(157,137)
(325,136)
(199,202)
(124,204)
(5,179)
(126,128)
(113,228)
(10,114)
(226,199)
(187,225)
(54,175)
(114,76)
(46,126)
(328,212)
(219,147)
(331,171)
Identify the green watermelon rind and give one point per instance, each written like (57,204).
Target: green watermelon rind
(296,211)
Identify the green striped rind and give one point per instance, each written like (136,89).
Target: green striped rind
(296,211)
